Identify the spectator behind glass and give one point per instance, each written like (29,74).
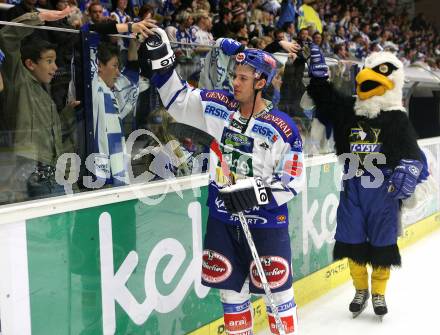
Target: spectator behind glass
(317,38)
(26,6)
(120,15)
(303,36)
(146,12)
(167,10)
(109,141)
(238,14)
(184,53)
(240,30)
(376,31)
(325,44)
(222,27)
(41,134)
(289,28)
(96,13)
(243,40)
(64,49)
(365,31)
(340,36)
(331,26)
(225,4)
(200,34)
(201,5)
(340,51)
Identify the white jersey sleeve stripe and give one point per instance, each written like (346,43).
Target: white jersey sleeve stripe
(182,101)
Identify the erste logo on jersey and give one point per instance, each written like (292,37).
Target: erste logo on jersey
(217,112)
(265,130)
(275,268)
(215,267)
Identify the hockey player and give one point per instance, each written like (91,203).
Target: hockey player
(260,144)
(373,122)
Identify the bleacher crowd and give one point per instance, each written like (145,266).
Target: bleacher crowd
(349,29)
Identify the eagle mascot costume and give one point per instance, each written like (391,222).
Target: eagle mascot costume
(372,123)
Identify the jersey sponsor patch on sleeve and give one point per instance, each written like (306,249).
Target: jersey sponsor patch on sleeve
(282,126)
(294,166)
(220,97)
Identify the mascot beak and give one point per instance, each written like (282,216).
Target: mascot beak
(371,83)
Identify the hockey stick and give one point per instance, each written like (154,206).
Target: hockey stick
(183,130)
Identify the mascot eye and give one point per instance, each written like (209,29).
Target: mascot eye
(383,68)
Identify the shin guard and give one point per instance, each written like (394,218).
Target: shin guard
(237,311)
(238,318)
(286,310)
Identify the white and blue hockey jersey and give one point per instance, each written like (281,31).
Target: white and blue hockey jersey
(271,147)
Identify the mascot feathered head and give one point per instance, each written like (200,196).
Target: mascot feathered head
(379,85)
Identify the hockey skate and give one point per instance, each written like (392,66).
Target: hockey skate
(359,302)
(379,305)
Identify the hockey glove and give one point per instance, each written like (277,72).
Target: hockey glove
(245,194)
(403,181)
(317,66)
(230,46)
(425,170)
(155,53)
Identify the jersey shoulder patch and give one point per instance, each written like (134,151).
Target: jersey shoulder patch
(282,123)
(220,97)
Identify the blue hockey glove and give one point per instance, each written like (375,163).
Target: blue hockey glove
(231,47)
(317,66)
(425,170)
(2,57)
(403,181)
(245,194)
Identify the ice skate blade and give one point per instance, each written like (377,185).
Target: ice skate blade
(356,314)
(380,317)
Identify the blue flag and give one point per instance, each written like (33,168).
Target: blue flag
(287,13)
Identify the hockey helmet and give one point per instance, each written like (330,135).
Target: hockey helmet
(263,63)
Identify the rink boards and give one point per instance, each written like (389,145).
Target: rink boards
(128,261)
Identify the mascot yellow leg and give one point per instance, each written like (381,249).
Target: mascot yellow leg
(359,274)
(379,279)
